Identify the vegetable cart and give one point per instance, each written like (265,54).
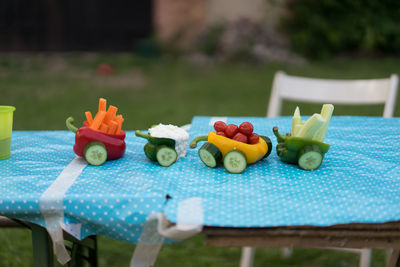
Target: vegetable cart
(305,152)
(235,155)
(96,147)
(159,149)
(304,146)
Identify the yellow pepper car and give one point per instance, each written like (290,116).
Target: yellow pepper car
(235,155)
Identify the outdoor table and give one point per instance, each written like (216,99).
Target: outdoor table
(352,200)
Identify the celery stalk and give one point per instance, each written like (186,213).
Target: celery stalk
(326,113)
(297,129)
(296,120)
(311,126)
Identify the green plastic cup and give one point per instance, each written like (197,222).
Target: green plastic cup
(6,122)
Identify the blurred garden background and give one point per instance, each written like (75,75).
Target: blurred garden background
(169,60)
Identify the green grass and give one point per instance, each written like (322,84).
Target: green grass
(16,250)
(48,89)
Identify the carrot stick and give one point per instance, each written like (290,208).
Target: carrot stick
(113,127)
(104,128)
(102,104)
(89,117)
(120,120)
(112,111)
(98,120)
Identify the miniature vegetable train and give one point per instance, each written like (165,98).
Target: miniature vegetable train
(101,138)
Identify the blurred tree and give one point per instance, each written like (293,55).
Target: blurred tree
(320,28)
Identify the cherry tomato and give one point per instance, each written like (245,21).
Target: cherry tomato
(240,137)
(254,138)
(246,128)
(220,126)
(231,130)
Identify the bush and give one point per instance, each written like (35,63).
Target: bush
(320,28)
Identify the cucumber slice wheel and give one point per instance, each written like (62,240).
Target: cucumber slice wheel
(95,153)
(310,157)
(235,161)
(166,155)
(269,144)
(210,155)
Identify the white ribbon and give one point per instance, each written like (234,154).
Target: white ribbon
(190,218)
(149,243)
(52,207)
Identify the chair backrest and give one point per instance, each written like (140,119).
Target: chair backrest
(373,91)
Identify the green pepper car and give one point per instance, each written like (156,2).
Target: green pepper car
(305,152)
(159,149)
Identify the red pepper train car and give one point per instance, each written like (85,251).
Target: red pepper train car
(96,147)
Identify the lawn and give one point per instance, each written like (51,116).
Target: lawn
(46,89)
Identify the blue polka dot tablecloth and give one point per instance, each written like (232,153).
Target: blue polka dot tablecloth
(358,181)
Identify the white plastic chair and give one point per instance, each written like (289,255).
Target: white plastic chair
(352,92)
(311,90)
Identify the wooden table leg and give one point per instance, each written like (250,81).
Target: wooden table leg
(394,260)
(42,247)
(84,251)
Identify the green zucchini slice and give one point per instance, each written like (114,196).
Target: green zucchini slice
(210,155)
(269,144)
(235,161)
(310,157)
(95,153)
(166,155)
